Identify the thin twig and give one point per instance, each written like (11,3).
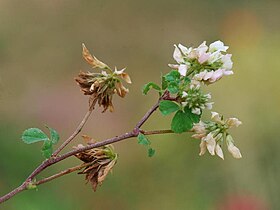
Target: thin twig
(62,173)
(76,132)
(155,132)
(55,159)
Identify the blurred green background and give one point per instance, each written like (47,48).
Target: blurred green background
(40,54)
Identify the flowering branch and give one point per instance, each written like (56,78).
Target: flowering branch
(180,92)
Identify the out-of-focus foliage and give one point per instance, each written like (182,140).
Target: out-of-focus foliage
(40,45)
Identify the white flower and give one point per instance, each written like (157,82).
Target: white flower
(184,94)
(216,117)
(234,150)
(210,77)
(183,68)
(210,143)
(219,151)
(218,46)
(199,128)
(196,111)
(177,55)
(209,105)
(184,49)
(233,122)
(194,84)
(227,62)
(202,48)
(203,57)
(203,148)
(216,75)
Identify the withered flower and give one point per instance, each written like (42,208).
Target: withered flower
(102,161)
(101,86)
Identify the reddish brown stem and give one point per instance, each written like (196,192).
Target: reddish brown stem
(55,159)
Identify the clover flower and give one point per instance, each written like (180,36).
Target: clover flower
(203,64)
(101,86)
(195,100)
(214,133)
(101,161)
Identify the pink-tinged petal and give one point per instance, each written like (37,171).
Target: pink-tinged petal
(183,69)
(200,75)
(177,55)
(228,72)
(202,48)
(208,75)
(216,75)
(203,57)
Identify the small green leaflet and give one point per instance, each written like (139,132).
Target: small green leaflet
(151,152)
(149,86)
(54,135)
(47,149)
(166,107)
(184,120)
(172,76)
(144,141)
(33,135)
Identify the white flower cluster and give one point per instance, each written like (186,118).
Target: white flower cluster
(205,64)
(213,134)
(195,100)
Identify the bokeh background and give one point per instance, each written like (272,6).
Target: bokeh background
(40,54)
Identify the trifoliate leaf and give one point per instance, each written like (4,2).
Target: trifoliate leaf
(151,152)
(173,87)
(172,76)
(149,86)
(54,135)
(143,140)
(33,135)
(47,149)
(184,120)
(166,107)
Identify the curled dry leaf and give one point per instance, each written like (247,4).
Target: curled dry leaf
(92,60)
(103,160)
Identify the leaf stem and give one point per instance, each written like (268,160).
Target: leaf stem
(55,159)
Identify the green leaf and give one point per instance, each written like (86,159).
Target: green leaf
(184,120)
(166,107)
(149,86)
(47,149)
(172,76)
(151,152)
(173,87)
(54,135)
(33,135)
(143,140)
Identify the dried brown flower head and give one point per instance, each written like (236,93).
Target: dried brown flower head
(103,160)
(101,86)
